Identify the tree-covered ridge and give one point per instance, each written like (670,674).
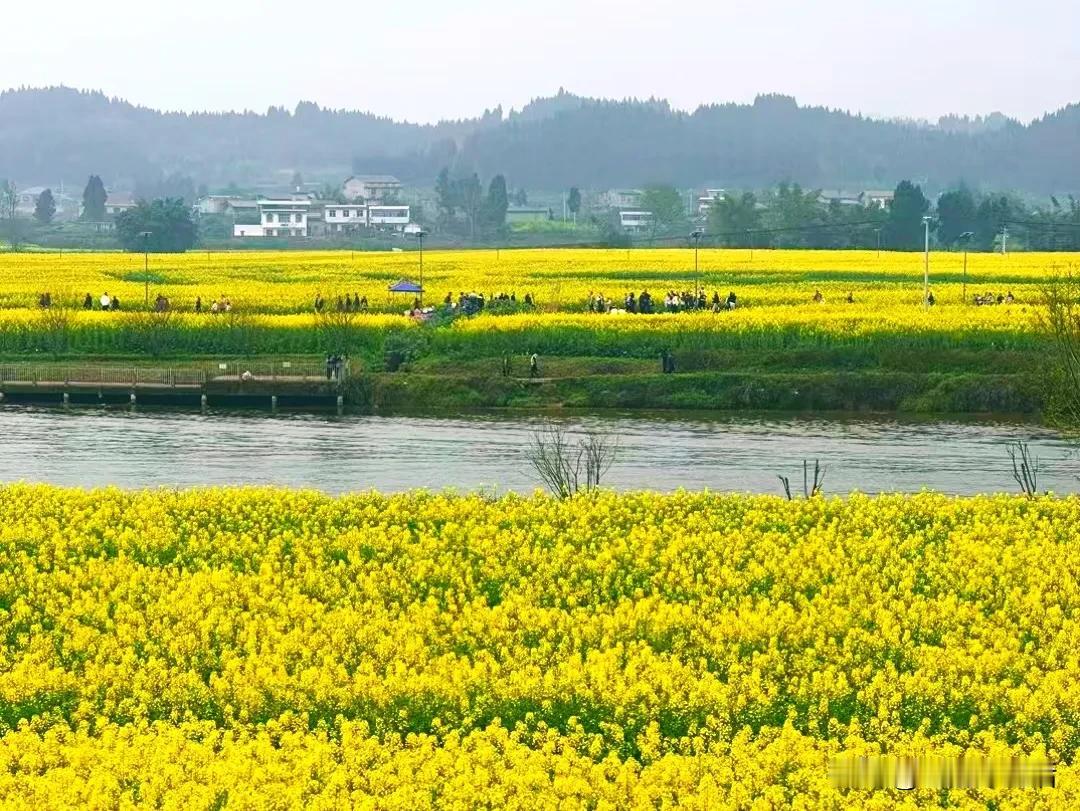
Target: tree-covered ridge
(551,144)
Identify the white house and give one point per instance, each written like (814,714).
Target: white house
(284,218)
(878,198)
(388,217)
(117,202)
(218,203)
(370,188)
(706,200)
(620,198)
(634,221)
(278,218)
(67,208)
(870,198)
(343,217)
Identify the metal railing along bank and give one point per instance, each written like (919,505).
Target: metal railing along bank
(134,376)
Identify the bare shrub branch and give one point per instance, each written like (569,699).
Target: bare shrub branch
(567,467)
(1025,468)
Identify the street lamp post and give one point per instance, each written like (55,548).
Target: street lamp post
(146,265)
(926,263)
(420,234)
(966,239)
(696,236)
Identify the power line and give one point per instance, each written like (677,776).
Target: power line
(1041,224)
(640,241)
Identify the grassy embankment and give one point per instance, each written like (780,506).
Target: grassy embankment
(591,366)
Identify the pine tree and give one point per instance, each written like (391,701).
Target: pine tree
(496,203)
(94,197)
(45,207)
(573,201)
(905,226)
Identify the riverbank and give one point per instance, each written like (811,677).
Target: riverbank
(444,384)
(826,381)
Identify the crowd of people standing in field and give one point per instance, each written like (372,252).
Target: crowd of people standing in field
(673,302)
(348,304)
(473,302)
(470,303)
(981,299)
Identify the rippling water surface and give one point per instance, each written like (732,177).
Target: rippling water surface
(662,452)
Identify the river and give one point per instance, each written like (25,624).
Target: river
(98,447)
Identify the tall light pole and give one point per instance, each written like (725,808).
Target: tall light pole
(696,236)
(966,239)
(146,265)
(420,234)
(926,263)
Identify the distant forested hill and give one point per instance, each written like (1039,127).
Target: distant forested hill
(59,133)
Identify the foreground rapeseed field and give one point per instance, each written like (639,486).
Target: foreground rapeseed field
(280,649)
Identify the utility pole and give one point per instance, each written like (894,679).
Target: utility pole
(1004,238)
(146,266)
(966,239)
(926,264)
(420,240)
(696,236)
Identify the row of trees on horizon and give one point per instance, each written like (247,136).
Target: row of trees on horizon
(787,216)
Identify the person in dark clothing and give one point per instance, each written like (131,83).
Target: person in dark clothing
(930,299)
(198,304)
(534,366)
(506,364)
(645,303)
(115,303)
(731,300)
(329,367)
(88,302)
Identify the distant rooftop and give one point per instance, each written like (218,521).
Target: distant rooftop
(120,198)
(373,179)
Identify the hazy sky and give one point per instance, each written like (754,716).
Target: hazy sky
(425,60)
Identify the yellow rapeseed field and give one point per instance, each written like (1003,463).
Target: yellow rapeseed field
(775,291)
(287,281)
(265,648)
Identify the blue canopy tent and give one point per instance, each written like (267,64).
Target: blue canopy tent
(405,286)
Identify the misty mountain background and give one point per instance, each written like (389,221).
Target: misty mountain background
(61,134)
